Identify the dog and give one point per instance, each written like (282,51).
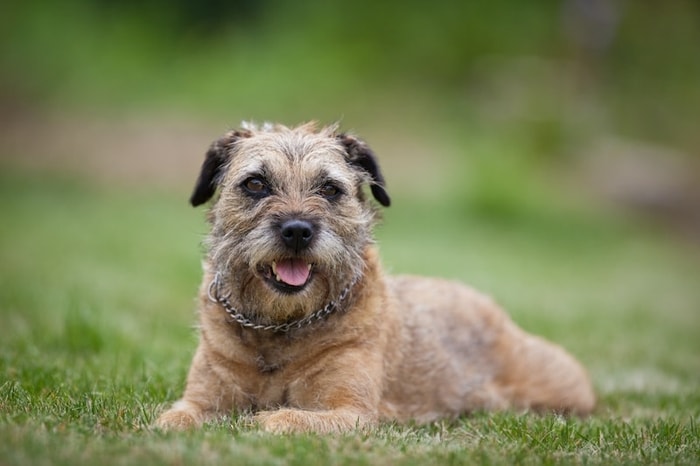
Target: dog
(300,328)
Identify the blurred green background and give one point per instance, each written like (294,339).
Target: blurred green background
(496,97)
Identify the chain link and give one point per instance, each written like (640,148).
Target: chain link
(213,293)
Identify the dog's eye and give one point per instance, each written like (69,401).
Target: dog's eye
(256,187)
(329,191)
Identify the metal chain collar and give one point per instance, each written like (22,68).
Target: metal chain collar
(213,293)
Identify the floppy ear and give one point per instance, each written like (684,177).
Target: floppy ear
(360,155)
(210,174)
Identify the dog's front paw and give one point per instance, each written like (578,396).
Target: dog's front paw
(287,421)
(175,420)
(181,416)
(283,421)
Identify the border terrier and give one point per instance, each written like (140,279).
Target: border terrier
(300,328)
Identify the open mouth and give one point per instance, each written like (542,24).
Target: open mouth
(288,275)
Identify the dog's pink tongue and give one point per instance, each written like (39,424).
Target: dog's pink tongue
(293,272)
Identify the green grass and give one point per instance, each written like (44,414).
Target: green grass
(97,288)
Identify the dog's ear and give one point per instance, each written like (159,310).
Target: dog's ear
(214,160)
(360,155)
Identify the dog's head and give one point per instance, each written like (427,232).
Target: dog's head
(291,221)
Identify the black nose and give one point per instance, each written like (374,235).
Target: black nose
(297,234)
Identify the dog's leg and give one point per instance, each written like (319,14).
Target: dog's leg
(207,396)
(292,420)
(542,376)
(184,414)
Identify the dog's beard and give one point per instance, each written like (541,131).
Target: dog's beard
(249,267)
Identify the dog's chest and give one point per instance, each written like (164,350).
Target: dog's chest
(270,391)
(277,370)
(266,358)
(269,364)
(270,368)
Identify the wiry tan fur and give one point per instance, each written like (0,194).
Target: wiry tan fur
(399,348)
